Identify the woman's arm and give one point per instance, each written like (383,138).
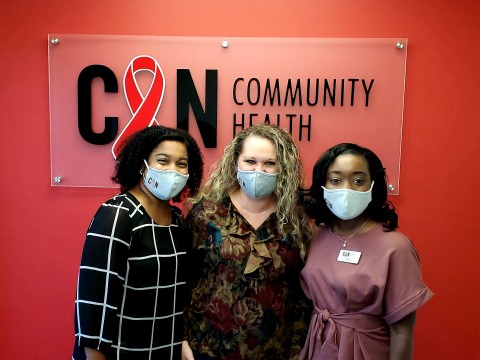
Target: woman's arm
(102,270)
(401,338)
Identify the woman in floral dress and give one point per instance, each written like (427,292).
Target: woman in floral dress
(249,236)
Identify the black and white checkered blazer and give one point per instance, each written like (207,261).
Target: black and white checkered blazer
(131,284)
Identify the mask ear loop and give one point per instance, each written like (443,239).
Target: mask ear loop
(146,166)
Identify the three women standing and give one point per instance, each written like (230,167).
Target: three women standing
(249,233)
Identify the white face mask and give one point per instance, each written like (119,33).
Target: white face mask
(345,203)
(257,184)
(164,184)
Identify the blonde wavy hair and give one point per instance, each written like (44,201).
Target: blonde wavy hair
(222,181)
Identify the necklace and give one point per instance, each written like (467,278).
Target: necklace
(344,242)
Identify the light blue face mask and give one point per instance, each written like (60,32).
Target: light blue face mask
(347,204)
(257,184)
(164,184)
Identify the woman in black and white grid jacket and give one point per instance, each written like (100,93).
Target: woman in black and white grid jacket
(132,278)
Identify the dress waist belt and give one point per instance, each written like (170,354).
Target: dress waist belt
(362,323)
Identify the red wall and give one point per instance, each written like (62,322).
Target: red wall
(42,228)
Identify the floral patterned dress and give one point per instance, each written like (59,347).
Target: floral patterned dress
(247,302)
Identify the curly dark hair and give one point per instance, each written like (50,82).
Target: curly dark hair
(379,208)
(140,145)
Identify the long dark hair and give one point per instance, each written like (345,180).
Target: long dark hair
(379,209)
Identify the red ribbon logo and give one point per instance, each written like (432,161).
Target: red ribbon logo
(143,108)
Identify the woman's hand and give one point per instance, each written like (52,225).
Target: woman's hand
(93,354)
(401,338)
(187,353)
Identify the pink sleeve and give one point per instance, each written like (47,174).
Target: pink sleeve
(405,290)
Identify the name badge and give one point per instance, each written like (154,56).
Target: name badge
(349,256)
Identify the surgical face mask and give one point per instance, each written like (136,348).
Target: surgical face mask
(257,184)
(164,184)
(347,204)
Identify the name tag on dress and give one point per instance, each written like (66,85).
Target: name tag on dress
(349,256)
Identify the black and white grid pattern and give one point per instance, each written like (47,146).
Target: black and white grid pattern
(131,284)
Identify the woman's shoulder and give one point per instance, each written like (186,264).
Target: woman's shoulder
(207,212)
(121,210)
(124,199)
(123,204)
(208,206)
(395,236)
(394,241)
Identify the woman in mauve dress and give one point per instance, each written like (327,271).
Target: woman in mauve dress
(362,274)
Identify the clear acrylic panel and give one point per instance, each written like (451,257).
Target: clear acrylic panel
(317,88)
